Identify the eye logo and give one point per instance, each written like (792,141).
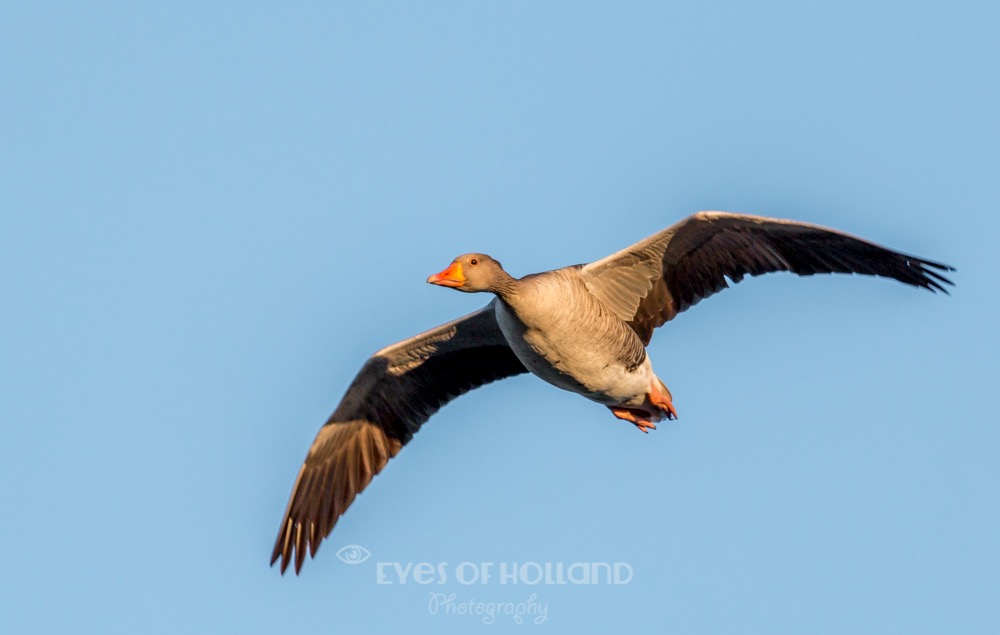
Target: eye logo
(353,554)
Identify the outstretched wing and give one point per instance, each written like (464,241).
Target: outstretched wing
(395,392)
(652,281)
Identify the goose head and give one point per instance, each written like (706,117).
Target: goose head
(472,273)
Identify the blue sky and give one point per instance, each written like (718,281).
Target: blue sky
(211,214)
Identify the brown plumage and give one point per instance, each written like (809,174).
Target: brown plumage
(582,328)
(395,392)
(676,268)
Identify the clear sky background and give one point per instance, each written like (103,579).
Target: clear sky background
(210,214)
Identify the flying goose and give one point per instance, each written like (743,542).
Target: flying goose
(582,328)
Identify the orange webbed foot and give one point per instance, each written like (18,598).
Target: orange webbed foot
(660,397)
(636,417)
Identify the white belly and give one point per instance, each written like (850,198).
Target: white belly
(558,354)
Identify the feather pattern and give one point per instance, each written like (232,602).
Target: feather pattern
(395,392)
(701,254)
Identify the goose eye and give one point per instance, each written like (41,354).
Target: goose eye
(473,262)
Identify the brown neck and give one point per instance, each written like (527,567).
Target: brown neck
(504,286)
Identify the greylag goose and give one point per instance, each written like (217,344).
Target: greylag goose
(582,328)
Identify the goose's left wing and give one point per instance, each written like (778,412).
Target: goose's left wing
(650,282)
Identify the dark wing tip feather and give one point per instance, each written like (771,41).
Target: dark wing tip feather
(931,279)
(345,457)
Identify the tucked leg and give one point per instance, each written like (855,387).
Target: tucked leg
(660,397)
(638,417)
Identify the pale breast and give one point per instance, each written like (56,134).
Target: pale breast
(562,335)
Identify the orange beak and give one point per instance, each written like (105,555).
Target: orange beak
(450,277)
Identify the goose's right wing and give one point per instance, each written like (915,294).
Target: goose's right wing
(395,392)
